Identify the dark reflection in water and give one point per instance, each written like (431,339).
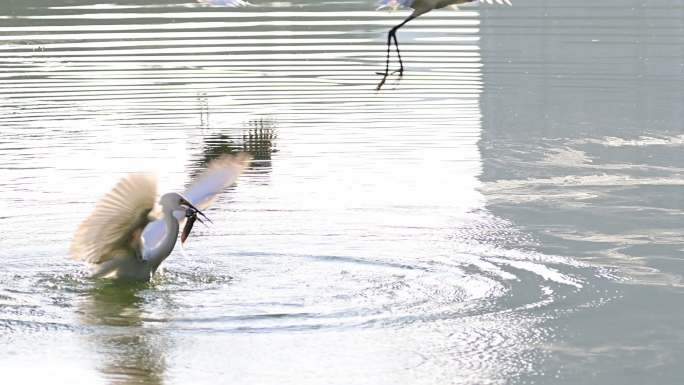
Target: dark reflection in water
(114,304)
(258,138)
(128,351)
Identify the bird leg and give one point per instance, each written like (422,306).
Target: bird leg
(386,73)
(401,63)
(393,35)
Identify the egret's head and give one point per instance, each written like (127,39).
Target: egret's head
(174,201)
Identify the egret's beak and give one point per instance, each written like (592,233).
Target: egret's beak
(195,209)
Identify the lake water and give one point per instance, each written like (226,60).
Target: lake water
(510,212)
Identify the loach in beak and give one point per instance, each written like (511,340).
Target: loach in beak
(191,214)
(191,218)
(194,210)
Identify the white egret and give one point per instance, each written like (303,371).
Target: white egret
(127,238)
(419,7)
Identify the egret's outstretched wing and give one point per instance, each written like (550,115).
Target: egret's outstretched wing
(225,3)
(393,4)
(220,173)
(117,220)
(502,2)
(430,4)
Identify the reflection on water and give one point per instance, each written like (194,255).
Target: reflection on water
(487,220)
(257,138)
(113,304)
(128,351)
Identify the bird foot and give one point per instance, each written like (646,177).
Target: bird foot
(382,83)
(385,75)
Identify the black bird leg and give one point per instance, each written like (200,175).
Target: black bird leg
(392,34)
(401,63)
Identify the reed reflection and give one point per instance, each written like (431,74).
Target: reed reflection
(258,138)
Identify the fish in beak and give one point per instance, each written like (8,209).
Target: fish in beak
(191,215)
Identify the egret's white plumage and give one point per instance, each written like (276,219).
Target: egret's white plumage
(201,193)
(126,238)
(423,6)
(227,3)
(219,173)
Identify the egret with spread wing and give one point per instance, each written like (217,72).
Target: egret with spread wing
(419,7)
(126,238)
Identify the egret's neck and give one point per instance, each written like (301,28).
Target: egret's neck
(166,245)
(171,224)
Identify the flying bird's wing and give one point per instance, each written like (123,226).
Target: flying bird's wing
(401,4)
(502,2)
(393,5)
(225,3)
(117,221)
(220,173)
(455,6)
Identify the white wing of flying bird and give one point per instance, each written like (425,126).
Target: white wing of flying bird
(225,3)
(433,4)
(502,2)
(393,4)
(113,230)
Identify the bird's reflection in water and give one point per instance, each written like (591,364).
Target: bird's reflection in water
(129,348)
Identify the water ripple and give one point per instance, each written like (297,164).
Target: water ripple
(362,227)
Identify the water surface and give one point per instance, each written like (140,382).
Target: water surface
(509,212)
